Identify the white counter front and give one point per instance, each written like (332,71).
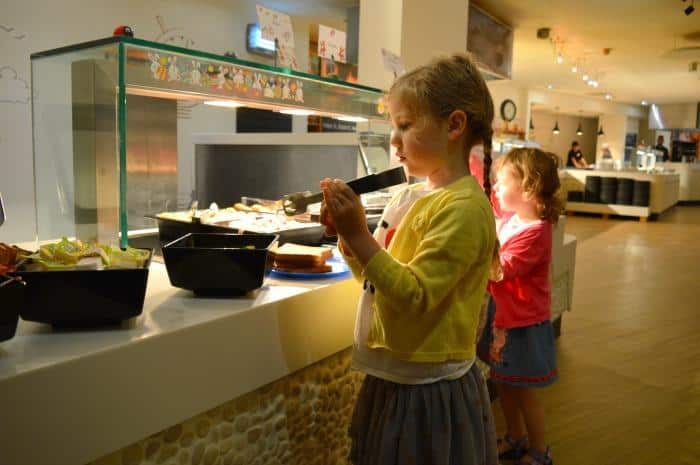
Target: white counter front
(73,396)
(689,180)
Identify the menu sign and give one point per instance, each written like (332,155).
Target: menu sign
(276,25)
(331,43)
(392,63)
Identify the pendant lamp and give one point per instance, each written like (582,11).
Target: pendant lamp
(600,131)
(556,128)
(579,129)
(532,126)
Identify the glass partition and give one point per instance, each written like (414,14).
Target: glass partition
(113,121)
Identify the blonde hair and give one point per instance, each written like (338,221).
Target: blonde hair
(537,170)
(447,84)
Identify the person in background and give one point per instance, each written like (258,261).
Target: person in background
(518,340)
(423,400)
(661,148)
(575,158)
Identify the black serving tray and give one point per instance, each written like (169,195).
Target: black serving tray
(218,264)
(12,299)
(84,298)
(170,230)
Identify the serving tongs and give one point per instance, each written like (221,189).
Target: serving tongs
(295,204)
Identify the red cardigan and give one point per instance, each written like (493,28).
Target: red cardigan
(523,296)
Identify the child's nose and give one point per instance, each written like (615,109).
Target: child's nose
(394,139)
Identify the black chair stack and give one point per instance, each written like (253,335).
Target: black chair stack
(574,196)
(608,190)
(640,195)
(625,188)
(592,189)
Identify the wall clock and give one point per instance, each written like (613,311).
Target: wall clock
(508,110)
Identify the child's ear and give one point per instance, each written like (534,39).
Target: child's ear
(456,124)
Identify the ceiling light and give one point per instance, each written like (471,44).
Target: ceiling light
(550,86)
(595,84)
(560,59)
(352,119)
(600,131)
(579,129)
(297,112)
(223,103)
(689,10)
(574,69)
(532,126)
(585,77)
(555,130)
(644,103)
(608,96)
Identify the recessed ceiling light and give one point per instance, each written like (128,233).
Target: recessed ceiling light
(223,103)
(550,86)
(608,96)
(574,69)
(585,77)
(645,103)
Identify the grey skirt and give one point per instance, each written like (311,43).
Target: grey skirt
(443,423)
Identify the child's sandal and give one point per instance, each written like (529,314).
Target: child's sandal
(537,458)
(517,447)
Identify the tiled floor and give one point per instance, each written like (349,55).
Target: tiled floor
(629,355)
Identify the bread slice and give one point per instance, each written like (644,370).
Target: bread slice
(295,257)
(295,253)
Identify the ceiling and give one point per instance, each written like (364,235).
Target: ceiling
(652,45)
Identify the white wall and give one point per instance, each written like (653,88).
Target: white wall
(614,128)
(380,27)
(502,90)
(560,144)
(32,26)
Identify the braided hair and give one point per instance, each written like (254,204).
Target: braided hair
(448,84)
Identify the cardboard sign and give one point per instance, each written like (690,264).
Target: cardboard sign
(275,25)
(286,58)
(392,62)
(331,43)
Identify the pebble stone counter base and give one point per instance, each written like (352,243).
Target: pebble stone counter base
(300,419)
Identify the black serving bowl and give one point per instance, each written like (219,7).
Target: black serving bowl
(170,230)
(12,298)
(218,264)
(84,298)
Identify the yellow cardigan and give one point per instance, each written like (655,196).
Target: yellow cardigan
(430,282)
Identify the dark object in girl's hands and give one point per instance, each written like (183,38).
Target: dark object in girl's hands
(296,203)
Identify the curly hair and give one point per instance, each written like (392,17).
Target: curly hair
(537,170)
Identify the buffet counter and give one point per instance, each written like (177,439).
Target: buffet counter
(192,380)
(69,397)
(664,192)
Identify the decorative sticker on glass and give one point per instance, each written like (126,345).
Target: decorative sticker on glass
(225,77)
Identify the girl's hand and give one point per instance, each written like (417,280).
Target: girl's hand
(344,209)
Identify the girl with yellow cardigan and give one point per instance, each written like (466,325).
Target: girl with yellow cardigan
(424,274)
